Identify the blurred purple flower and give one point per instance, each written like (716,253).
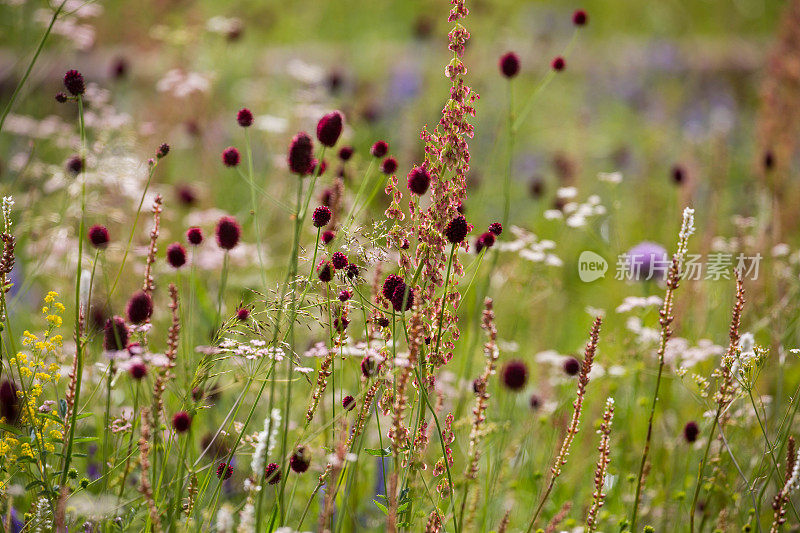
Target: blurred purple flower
(648,260)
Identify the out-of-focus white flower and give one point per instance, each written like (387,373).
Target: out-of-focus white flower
(780,250)
(610,177)
(271,123)
(305,72)
(566,193)
(638,302)
(181,84)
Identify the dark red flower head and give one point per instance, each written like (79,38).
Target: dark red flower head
(345,295)
(272,474)
(176,255)
(456,230)
(509,64)
(140,308)
(194,235)
(383,322)
(242,314)
(399,297)
(486,240)
(138,371)
(340,324)
(321,216)
(325,271)
(98,236)
(339,260)
(678,174)
(231,157)
(345,153)
(768,160)
(348,403)
(418,180)
(300,154)
(390,284)
(328,236)
(558,63)
(115,334)
(496,228)
(224,471)
(244,117)
(228,233)
(389,166)
(515,375)
(572,366)
(300,460)
(329,128)
(691,431)
(535,402)
(181,421)
(9,402)
(379,149)
(61,97)
(73,81)
(352,271)
(186,195)
(369,366)
(580,18)
(75,164)
(162,151)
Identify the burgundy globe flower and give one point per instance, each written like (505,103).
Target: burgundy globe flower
(325,271)
(768,160)
(329,128)
(321,216)
(379,149)
(572,366)
(369,366)
(580,18)
(648,260)
(224,471)
(194,236)
(272,474)
(558,64)
(176,255)
(535,402)
(242,314)
(181,422)
(328,236)
(352,271)
(678,174)
(300,460)
(115,334)
(456,230)
(186,195)
(339,260)
(162,151)
(515,375)
(691,431)
(496,228)
(345,295)
(486,240)
(138,371)
(391,282)
(509,64)
(73,81)
(419,179)
(348,403)
(399,297)
(228,233)
(317,168)
(340,324)
(75,165)
(244,117)
(300,154)
(389,166)
(345,153)
(9,402)
(61,97)
(140,308)
(98,236)
(383,322)
(231,157)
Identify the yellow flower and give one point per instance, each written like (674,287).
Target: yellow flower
(25,450)
(56,434)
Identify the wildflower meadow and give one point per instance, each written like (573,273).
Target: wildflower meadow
(399,265)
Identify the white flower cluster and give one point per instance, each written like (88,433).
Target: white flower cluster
(639,302)
(530,248)
(576,214)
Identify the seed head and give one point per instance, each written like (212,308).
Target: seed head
(348,403)
(515,375)
(329,128)
(509,64)
(389,166)
(140,308)
(496,228)
(231,157)
(379,149)
(272,474)
(321,216)
(73,81)
(163,150)
(181,422)
(176,255)
(325,271)
(98,236)
(194,235)
(419,179)
(300,154)
(558,63)
(339,260)
(244,117)
(224,471)
(228,233)
(690,431)
(580,18)
(115,334)
(61,97)
(456,230)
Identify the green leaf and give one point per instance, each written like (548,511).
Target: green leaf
(381,507)
(385,452)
